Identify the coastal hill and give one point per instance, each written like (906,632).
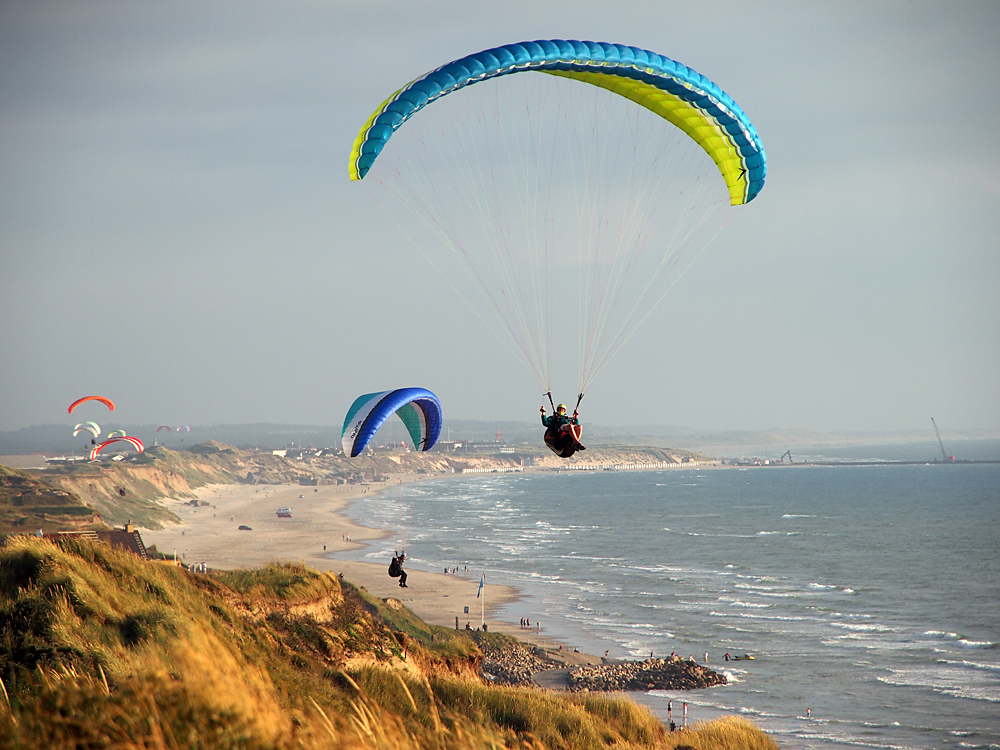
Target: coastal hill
(27,503)
(103,649)
(119,491)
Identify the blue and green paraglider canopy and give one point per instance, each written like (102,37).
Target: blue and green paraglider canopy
(418,408)
(563,205)
(666,87)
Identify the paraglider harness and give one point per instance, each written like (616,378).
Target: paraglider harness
(563,433)
(396,569)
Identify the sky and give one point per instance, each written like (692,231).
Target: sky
(178,231)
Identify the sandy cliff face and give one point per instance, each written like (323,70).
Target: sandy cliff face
(126,491)
(26,504)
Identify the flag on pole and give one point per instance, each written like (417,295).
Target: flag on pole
(481,582)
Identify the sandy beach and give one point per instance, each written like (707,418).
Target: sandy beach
(316,532)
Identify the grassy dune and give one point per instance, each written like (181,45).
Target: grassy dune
(99,649)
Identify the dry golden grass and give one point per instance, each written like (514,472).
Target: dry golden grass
(727,733)
(103,650)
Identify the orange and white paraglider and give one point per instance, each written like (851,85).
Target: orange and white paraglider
(106,401)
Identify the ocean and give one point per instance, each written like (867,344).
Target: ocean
(868,595)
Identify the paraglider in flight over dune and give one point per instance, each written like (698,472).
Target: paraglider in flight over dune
(571,201)
(92,427)
(136,442)
(106,401)
(418,408)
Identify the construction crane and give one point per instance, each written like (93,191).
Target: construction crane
(944,453)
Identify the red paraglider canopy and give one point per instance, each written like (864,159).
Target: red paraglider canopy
(106,401)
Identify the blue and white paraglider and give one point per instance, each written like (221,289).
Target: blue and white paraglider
(419,409)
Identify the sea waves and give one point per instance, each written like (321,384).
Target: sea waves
(851,593)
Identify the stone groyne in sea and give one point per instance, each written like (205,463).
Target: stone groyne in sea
(515,663)
(672,673)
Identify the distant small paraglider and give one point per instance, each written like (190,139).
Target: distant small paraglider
(92,427)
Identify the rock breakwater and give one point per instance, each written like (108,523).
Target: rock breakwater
(652,674)
(508,662)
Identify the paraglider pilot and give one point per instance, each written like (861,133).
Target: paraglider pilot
(559,418)
(396,569)
(563,431)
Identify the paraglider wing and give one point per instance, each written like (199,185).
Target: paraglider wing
(92,427)
(418,408)
(116,433)
(136,442)
(106,401)
(163,427)
(671,90)
(184,428)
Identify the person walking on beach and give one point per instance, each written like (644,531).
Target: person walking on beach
(396,569)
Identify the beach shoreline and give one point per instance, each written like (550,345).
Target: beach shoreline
(318,531)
